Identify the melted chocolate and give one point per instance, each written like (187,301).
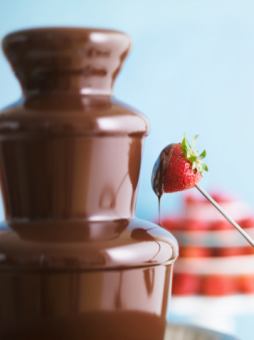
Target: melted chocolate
(74,262)
(159,170)
(131,325)
(158,174)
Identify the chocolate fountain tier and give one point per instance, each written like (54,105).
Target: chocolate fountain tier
(60,59)
(80,245)
(76,280)
(70,156)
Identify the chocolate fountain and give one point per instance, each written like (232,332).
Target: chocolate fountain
(74,262)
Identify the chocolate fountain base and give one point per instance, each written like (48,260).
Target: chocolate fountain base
(184,332)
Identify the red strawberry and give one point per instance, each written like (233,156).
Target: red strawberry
(247,222)
(220,225)
(232,251)
(185,284)
(179,167)
(246,283)
(195,225)
(218,285)
(192,251)
(169,224)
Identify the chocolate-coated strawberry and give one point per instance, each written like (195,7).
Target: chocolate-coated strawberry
(179,167)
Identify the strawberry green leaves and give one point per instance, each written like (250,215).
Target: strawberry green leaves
(191,154)
(203,154)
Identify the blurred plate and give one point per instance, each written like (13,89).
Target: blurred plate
(211,238)
(182,332)
(226,265)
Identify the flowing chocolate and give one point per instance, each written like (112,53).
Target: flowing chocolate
(159,169)
(74,262)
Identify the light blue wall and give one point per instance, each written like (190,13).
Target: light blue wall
(191,70)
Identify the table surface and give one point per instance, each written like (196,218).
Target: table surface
(187,332)
(232,314)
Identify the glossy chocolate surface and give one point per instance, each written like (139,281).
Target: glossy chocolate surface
(128,304)
(66,59)
(159,169)
(74,262)
(80,245)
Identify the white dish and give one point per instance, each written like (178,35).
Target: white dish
(212,238)
(227,265)
(184,332)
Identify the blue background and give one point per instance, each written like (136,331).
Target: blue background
(191,70)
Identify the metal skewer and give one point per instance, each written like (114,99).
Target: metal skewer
(227,217)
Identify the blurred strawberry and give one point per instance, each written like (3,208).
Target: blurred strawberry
(192,251)
(185,284)
(247,222)
(218,285)
(190,199)
(170,223)
(220,225)
(192,224)
(246,283)
(232,251)
(221,198)
(249,251)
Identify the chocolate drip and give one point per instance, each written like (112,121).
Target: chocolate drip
(159,171)
(158,174)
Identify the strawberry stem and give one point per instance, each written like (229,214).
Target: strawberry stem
(191,154)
